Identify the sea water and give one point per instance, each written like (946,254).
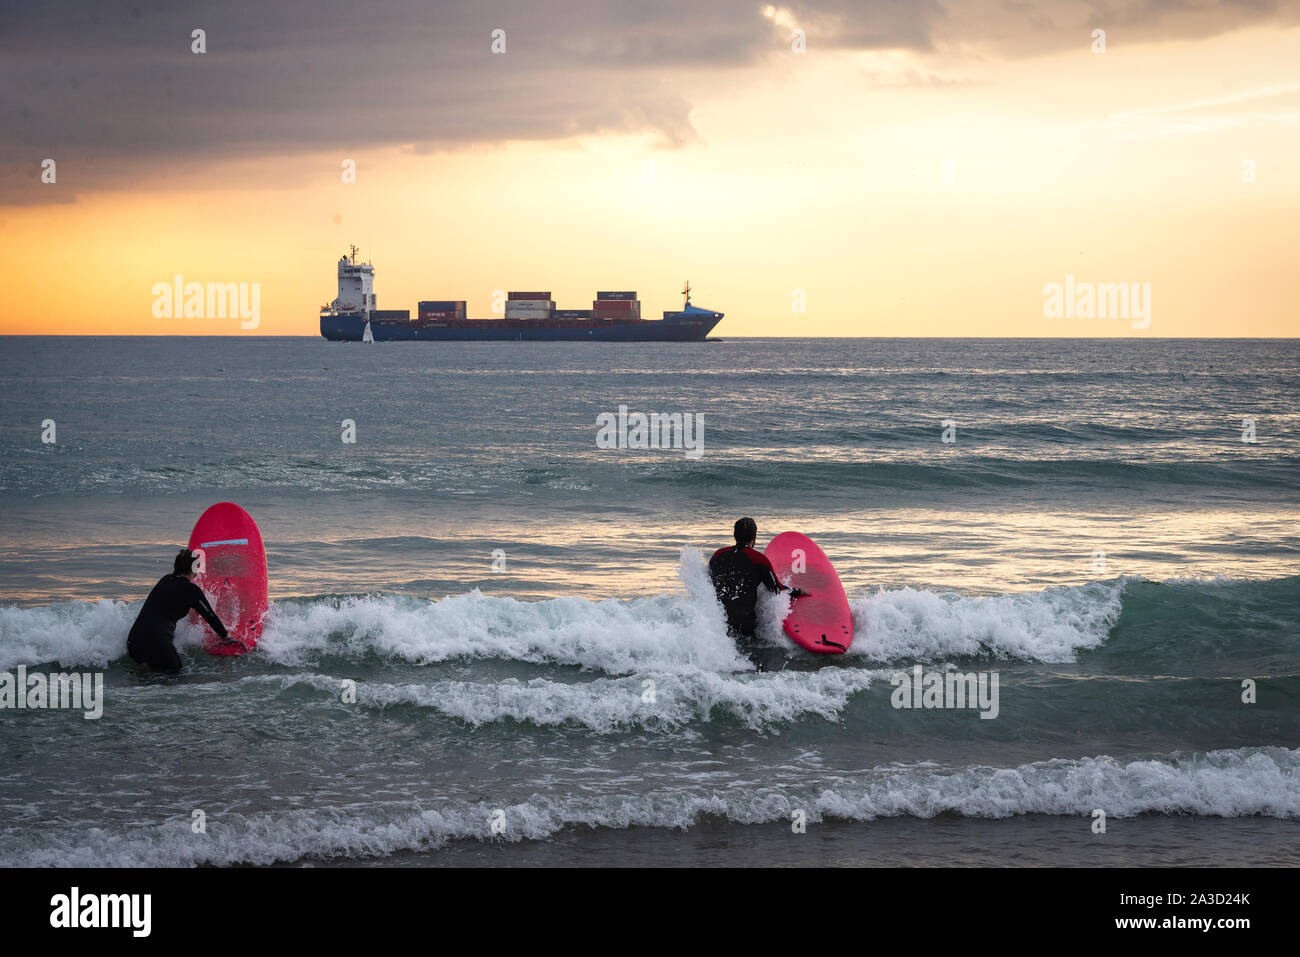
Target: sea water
(492,638)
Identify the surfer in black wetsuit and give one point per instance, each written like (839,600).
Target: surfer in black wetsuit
(150,640)
(737,572)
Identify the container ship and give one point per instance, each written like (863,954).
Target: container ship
(614,316)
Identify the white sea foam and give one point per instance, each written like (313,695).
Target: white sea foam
(647,700)
(668,633)
(1233,783)
(69,633)
(1051,625)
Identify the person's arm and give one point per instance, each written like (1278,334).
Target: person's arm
(773,583)
(200,604)
(770,581)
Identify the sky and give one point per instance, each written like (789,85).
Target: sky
(823,168)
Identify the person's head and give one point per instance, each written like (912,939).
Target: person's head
(746,532)
(184,564)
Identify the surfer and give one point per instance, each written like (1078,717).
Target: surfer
(150,640)
(737,571)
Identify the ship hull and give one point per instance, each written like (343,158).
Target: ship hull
(350,328)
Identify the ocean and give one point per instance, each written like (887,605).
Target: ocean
(493,642)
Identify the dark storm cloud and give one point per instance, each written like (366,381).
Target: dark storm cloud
(107,87)
(110,89)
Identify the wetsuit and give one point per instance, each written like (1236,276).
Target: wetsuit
(150,640)
(737,574)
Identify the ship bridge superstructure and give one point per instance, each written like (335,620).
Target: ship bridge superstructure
(356,287)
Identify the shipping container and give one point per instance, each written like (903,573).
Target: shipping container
(573,313)
(442,315)
(530,309)
(530,295)
(442,305)
(390,314)
(616,307)
(616,295)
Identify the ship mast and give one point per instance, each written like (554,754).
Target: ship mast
(686,293)
(353,258)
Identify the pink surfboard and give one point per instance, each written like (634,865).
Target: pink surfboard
(233,576)
(820,621)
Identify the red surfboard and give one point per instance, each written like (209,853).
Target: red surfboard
(233,576)
(821,620)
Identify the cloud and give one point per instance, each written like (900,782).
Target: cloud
(1212,115)
(111,89)
(1201,105)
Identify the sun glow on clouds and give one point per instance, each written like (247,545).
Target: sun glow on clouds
(900,190)
(780,17)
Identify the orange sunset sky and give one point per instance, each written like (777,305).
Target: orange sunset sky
(919,170)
